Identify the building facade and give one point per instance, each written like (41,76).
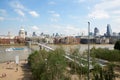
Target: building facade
(96,31)
(22,33)
(109,31)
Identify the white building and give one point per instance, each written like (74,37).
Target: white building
(8,36)
(22,33)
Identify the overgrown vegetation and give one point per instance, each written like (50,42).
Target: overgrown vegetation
(100,73)
(53,65)
(48,65)
(106,54)
(97,73)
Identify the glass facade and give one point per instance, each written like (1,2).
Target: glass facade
(109,30)
(96,31)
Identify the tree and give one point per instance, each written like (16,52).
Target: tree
(117,45)
(48,65)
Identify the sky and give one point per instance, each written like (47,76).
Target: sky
(68,17)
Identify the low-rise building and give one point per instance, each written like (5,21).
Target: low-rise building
(102,40)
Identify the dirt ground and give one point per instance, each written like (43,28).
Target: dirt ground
(11,71)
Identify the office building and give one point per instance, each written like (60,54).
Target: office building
(96,31)
(109,31)
(34,34)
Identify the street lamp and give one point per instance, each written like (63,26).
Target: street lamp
(88,56)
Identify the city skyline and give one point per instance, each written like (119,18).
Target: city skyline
(58,16)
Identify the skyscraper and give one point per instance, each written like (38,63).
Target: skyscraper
(96,31)
(25,33)
(34,34)
(109,30)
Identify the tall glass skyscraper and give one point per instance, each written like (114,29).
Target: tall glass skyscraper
(96,31)
(109,30)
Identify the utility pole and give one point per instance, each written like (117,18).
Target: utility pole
(88,56)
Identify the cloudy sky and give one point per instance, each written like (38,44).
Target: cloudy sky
(68,17)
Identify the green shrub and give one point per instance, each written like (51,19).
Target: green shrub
(117,45)
(48,65)
(110,55)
